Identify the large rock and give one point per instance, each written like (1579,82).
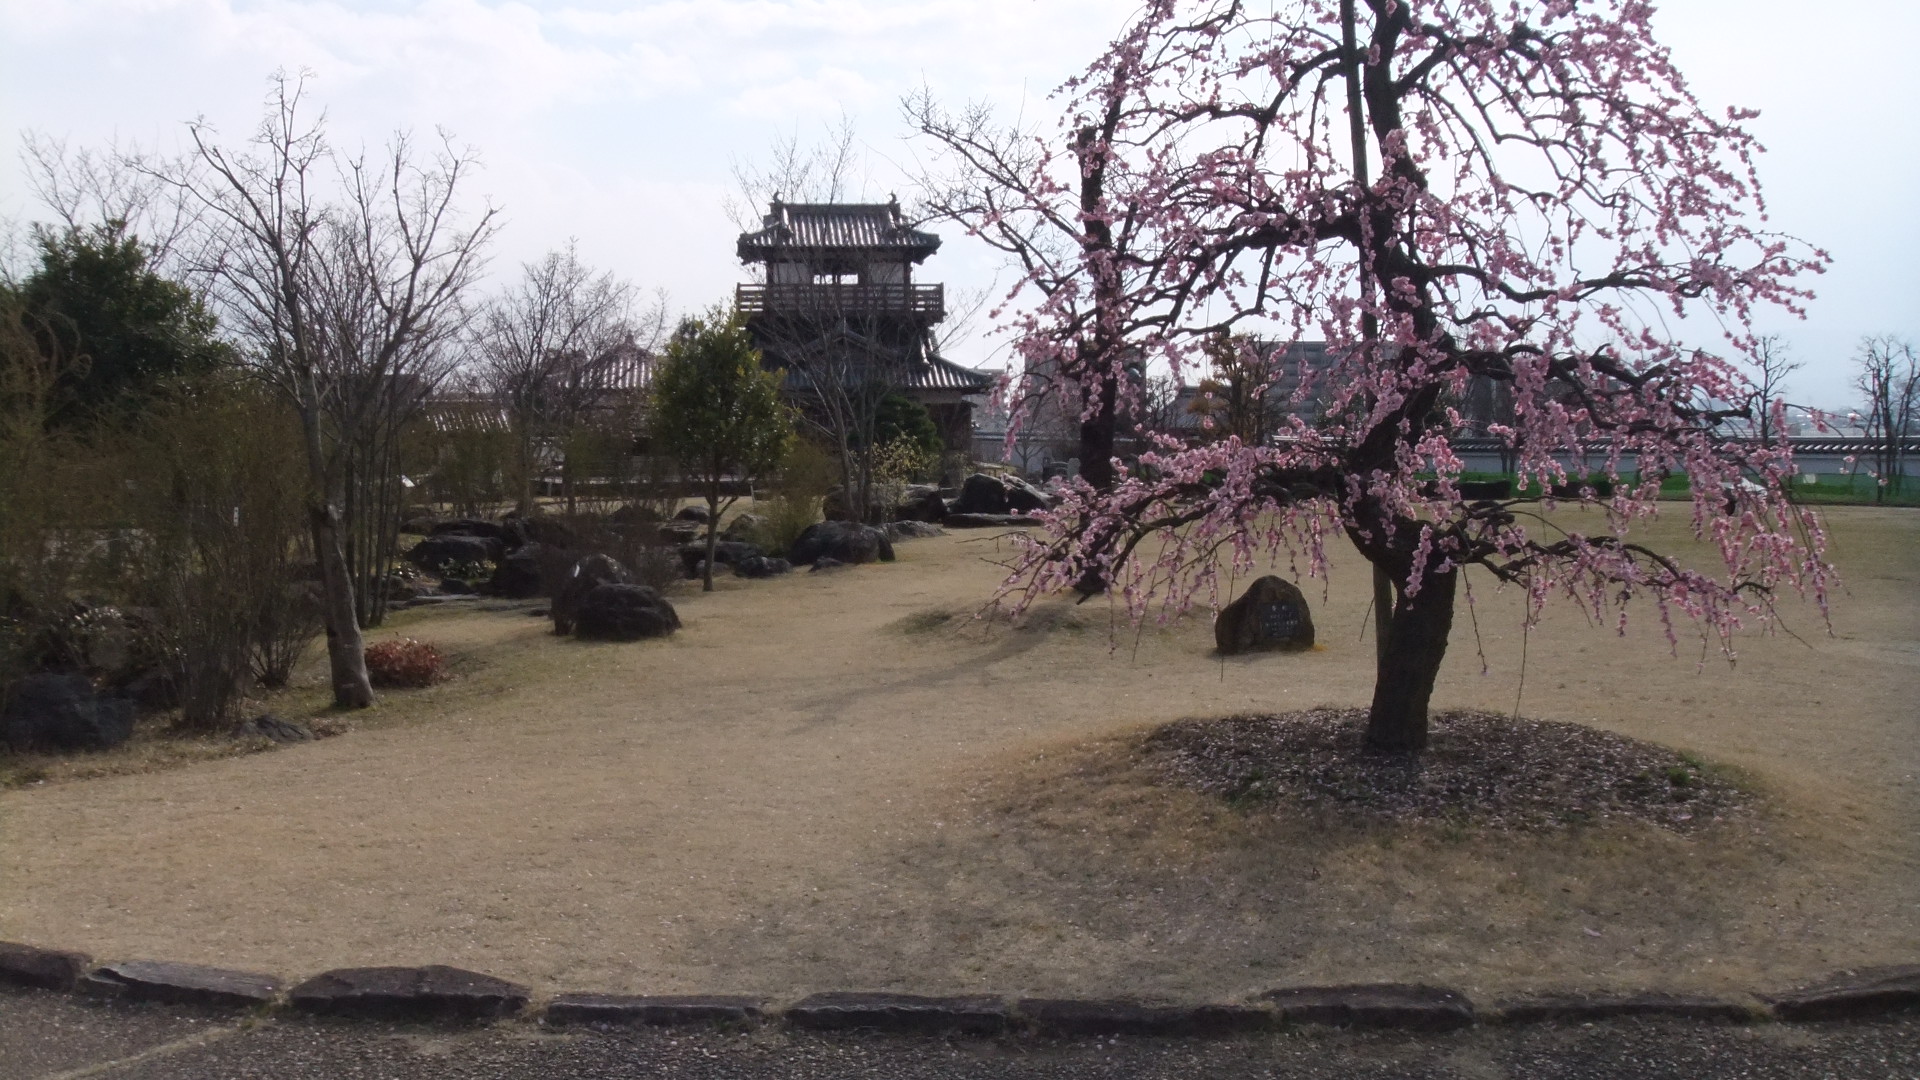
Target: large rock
(507,534)
(982,493)
(921,502)
(745,527)
(594,570)
(911,530)
(1271,615)
(624,613)
(541,529)
(844,541)
(63,712)
(725,553)
(439,555)
(697,514)
(762,567)
(635,514)
(527,572)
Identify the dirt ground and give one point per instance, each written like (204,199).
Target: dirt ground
(842,780)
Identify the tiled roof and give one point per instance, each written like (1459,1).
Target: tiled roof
(939,373)
(815,226)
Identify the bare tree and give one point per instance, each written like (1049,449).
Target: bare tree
(1766,407)
(544,346)
(793,171)
(1889,377)
(84,187)
(343,302)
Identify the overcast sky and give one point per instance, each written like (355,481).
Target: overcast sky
(617,123)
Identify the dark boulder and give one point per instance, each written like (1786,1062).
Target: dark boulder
(725,553)
(419,524)
(681,532)
(587,573)
(505,533)
(692,513)
(745,527)
(546,530)
(842,540)
(921,502)
(1272,614)
(447,551)
(530,571)
(624,613)
(982,493)
(990,521)
(911,530)
(635,514)
(57,711)
(1024,498)
(762,567)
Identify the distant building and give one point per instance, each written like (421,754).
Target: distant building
(839,302)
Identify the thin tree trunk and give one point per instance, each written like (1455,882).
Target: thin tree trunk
(713,530)
(1415,644)
(346,650)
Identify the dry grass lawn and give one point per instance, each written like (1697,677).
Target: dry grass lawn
(843,781)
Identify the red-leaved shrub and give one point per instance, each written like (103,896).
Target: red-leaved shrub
(405,662)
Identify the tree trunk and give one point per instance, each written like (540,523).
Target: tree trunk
(1097,438)
(1415,644)
(346,650)
(713,530)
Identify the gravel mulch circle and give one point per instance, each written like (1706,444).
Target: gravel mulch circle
(1479,769)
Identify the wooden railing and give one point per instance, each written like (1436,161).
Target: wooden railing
(925,301)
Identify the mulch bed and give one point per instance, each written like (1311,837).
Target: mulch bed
(1479,769)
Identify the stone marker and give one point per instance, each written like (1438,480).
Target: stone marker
(42,969)
(1271,615)
(181,984)
(433,992)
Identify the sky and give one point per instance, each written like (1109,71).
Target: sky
(619,124)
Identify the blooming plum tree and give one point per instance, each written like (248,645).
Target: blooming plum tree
(1552,204)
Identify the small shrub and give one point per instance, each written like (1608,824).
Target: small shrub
(405,662)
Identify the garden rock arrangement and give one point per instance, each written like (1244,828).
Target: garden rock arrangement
(1271,615)
(1479,769)
(624,613)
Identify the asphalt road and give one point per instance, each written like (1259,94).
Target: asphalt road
(57,1037)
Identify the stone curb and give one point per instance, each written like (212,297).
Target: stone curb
(438,993)
(1401,1006)
(1581,1007)
(434,992)
(182,984)
(41,969)
(839,1011)
(1071,1017)
(668,1011)
(1853,994)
